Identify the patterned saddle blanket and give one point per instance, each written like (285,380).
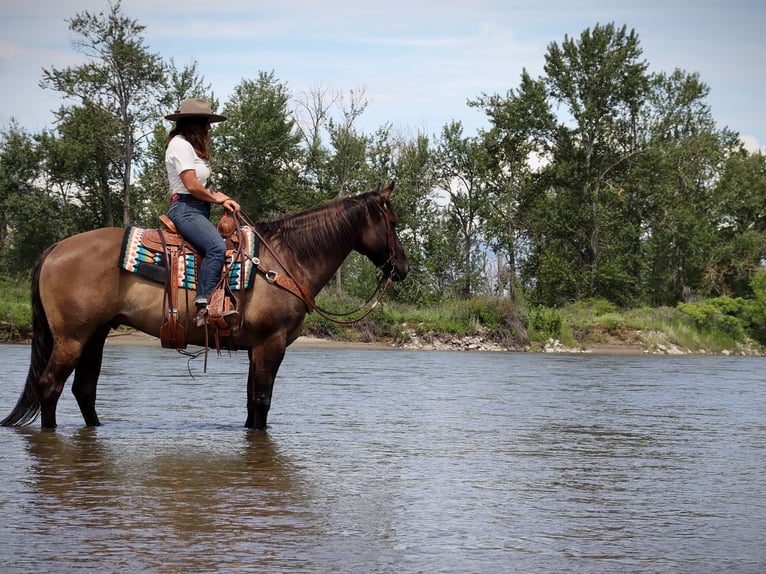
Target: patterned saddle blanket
(142,252)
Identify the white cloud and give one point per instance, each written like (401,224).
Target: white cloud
(752,144)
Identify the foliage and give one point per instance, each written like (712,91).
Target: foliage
(121,82)
(257,152)
(596,181)
(16,309)
(719,314)
(544,321)
(734,316)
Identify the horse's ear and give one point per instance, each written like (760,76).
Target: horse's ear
(386,193)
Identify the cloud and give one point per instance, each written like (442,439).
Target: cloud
(752,144)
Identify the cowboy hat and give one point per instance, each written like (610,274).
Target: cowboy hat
(195,107)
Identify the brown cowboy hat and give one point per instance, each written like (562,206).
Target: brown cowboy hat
(195,107)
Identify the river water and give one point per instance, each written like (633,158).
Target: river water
(394,461)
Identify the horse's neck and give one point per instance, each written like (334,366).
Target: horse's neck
(313,271)
(319,271)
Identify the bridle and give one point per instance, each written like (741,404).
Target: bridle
(290,283)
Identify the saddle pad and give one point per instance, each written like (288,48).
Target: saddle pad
(136,257)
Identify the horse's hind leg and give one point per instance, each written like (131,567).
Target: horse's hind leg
(65,355)
(86,376)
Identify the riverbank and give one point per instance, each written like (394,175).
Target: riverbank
(633,343)
(626,342)
(128,337)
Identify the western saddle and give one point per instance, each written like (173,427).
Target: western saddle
(168,241)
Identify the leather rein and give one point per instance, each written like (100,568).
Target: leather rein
(288,281)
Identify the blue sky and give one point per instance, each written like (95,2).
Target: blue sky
(418,61)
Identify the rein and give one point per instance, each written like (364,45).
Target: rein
(290,283)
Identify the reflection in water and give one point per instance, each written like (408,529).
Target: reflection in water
(396,462)
(190,501)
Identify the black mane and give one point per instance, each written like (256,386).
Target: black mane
(309,233)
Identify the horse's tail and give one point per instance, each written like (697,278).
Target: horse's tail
(27,408)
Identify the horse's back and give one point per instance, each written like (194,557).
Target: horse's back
(84,256)
(79,279)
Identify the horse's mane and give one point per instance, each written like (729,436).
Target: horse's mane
(309,233)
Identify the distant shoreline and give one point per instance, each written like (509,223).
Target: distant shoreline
(131,337)
(631,346)
(127,338)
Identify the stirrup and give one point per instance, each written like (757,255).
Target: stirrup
(201,317)
(232,319)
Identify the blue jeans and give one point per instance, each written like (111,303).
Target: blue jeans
(192,219)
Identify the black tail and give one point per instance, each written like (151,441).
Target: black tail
(27,408)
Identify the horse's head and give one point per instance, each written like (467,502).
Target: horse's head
(379,241)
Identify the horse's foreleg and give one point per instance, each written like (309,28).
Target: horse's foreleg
(86,376)
(264,364)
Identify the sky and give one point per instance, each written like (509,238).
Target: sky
(417,61)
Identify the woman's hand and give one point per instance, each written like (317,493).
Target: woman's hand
(230,205)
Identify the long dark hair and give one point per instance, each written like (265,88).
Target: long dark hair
(195,130)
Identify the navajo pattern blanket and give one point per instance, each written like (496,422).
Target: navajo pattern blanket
(149,262)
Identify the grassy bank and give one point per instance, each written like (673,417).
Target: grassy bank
(15,310)
(580,326)
(585,325)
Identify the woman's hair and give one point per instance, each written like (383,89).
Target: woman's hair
(194,129)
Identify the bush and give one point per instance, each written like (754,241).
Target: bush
(545,321)
(721,314)
(15,308)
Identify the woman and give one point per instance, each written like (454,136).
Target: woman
(186,161)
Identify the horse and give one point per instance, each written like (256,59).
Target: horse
(79,294)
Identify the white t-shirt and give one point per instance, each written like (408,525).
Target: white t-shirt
(180,156)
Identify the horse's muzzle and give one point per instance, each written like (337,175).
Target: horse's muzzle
(397,270)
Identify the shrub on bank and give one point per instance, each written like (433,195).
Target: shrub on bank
(15,309)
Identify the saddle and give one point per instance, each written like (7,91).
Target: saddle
(168,241)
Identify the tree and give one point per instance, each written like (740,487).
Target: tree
(461,165)
(77,164)
(121,79)
(348,155)
(312,116)
(31,219)
(681,215)
(413,172)
(600,81)
(258,157)
(740,251)
(522,131)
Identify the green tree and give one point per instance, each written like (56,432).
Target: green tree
(121,79)
(413,172)
(313,113)
(77,161)
(31,218)
(461,167)
(522,130)
(258,151)
(676,186)
(740,250)
(600,81)
(348,147)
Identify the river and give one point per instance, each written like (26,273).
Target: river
(394,461)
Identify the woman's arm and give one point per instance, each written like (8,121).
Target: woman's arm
(195,187)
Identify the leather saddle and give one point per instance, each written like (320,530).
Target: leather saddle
(168,241)
(168,236)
